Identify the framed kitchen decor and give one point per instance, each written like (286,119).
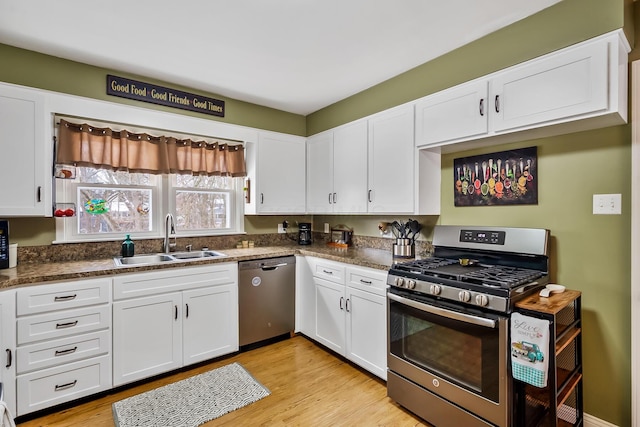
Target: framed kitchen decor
(503,178)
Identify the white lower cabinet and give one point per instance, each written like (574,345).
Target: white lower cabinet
(351,313)
(63,342)
(167,319)
(7,348)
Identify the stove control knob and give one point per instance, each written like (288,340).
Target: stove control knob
(434,289)
(411,284)
(400,282)
(464,296)
(482,300)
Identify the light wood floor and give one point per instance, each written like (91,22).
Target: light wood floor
(309,387)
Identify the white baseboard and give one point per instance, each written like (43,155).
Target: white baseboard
(591,421)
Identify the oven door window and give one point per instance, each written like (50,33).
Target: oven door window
(461,352)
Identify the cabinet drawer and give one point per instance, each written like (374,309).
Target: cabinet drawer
(48,387)
(367,279)
(62,324)
(328,270)
(65,350)
(180,279)
(60,296)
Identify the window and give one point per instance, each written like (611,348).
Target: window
(202,202)
(110,204)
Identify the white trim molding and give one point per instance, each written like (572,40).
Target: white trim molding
(591,421)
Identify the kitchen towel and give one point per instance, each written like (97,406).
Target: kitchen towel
(529,349)
(6,419)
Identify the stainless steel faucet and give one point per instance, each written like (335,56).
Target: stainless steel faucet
(169,229)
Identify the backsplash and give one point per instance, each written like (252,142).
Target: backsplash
(98,250)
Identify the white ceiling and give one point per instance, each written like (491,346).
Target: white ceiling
(293,55)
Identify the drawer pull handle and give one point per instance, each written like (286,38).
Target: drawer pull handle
(65,298)
(9,359)
(327,272)
(66,386)
(67,351)
(346,305)
(366,282)
(341,302)
(66,325)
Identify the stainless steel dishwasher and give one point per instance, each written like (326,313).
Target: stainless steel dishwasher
(266,290)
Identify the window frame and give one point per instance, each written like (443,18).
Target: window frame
(163,203)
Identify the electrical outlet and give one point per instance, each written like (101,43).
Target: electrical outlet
(326,228)
(607,204)
(281,229)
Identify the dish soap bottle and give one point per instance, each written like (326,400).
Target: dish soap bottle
(127,247)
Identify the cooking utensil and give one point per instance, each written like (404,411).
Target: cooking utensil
(467,262)
(415,230)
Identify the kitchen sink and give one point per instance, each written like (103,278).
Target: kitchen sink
(196,254)
(148,259)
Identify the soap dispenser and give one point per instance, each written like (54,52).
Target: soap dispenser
(127,247)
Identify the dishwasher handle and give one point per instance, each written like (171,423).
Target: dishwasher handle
(273,267)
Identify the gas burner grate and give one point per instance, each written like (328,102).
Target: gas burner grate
(500,276)
(422,266)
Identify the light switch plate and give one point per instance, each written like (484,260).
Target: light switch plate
(607,204)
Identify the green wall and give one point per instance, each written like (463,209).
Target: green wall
(60,75)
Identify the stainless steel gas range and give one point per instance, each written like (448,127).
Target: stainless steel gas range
(448,322)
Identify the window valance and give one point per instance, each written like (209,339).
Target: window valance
(102,147)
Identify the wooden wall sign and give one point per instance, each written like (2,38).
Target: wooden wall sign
(146,92)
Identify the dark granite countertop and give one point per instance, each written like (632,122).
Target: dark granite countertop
(37,273)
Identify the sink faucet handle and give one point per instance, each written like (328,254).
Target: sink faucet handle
(189,247)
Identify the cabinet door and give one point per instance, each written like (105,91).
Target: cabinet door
(391,161)
(305,298)
(330,315)
(320,173)
(147,337)
(281,174)
(459,112)
(8,348)
(23,148)
(210,325)
(367,331)
(552,89)
(350,168)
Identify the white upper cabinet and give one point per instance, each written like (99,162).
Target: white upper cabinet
(26,149)
(460,112)
(350,168)
(391,161)
(556,87)
(577,88)
(320,173)
(277,170)
(337,170)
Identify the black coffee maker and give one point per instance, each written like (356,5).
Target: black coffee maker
(304,233)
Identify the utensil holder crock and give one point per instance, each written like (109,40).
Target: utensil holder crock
(404,251)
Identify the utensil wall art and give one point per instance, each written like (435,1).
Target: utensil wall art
(503,178)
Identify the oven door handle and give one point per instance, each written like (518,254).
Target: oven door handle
(480,321)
